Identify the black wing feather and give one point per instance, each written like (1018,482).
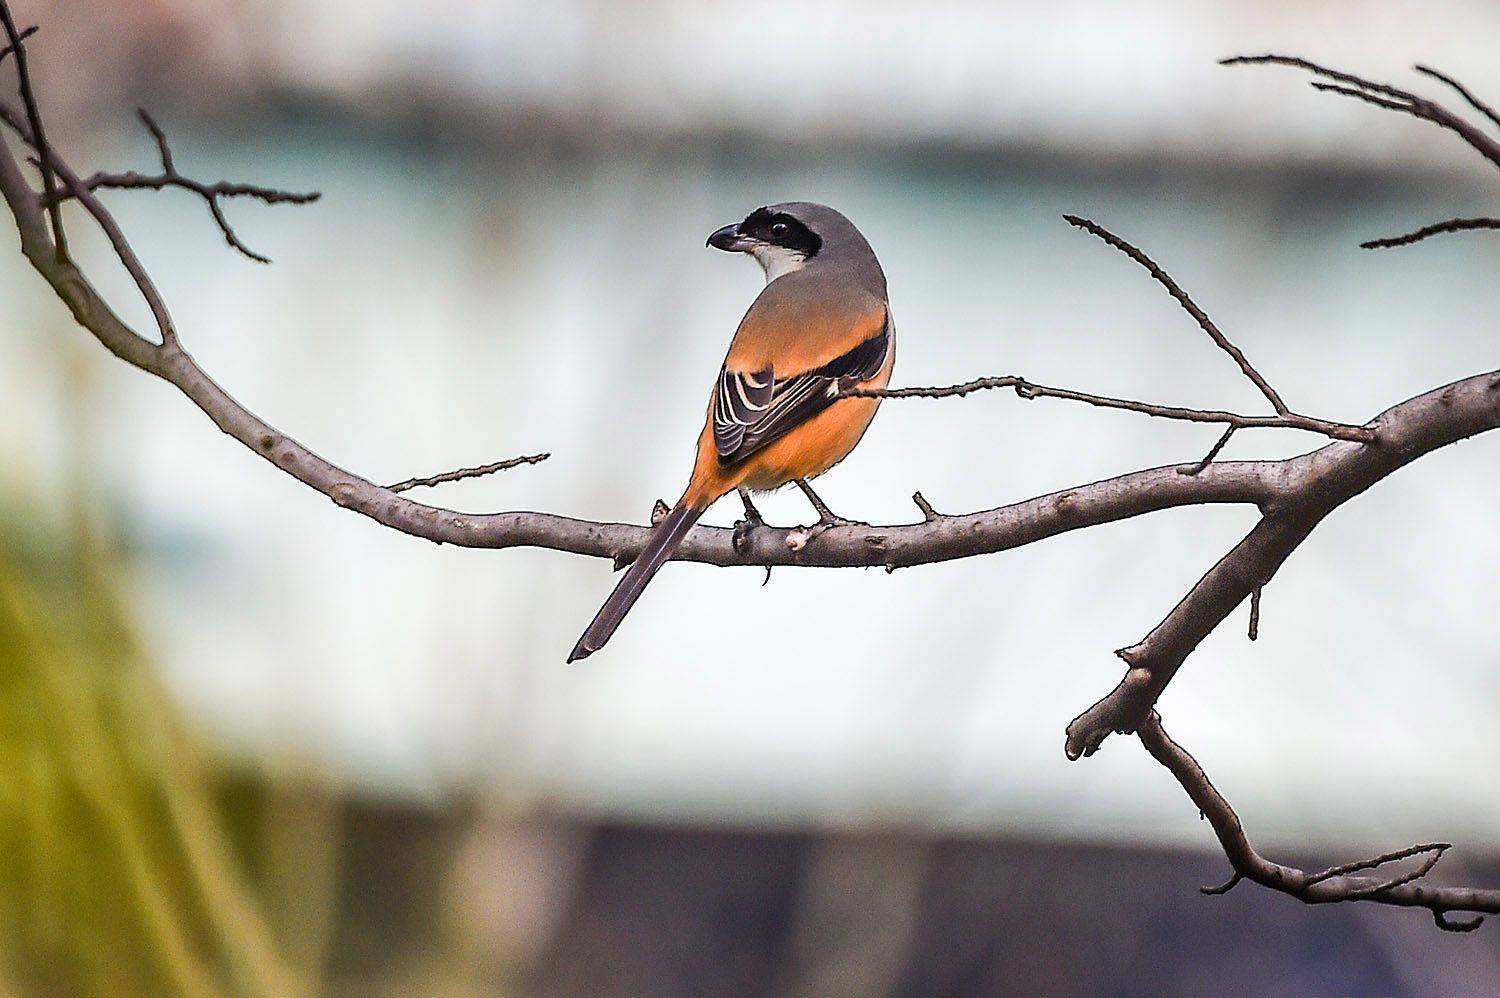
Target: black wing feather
(740,402)
(752,410)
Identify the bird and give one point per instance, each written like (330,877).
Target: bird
(820,326)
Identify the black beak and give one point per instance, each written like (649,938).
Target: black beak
(729,239)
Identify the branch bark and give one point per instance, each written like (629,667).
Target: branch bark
(1337,883)
(1293,494)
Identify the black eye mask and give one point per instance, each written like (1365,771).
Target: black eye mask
(781,229)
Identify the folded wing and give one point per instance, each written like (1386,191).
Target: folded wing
(753,408)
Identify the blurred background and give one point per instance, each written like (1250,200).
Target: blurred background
(253,744)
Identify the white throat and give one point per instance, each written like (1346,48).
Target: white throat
(777,260)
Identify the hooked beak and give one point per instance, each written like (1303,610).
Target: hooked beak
(730,240)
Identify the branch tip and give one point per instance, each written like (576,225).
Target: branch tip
(1188,305)
(1225,887)
(928,513)
(1436,228)
(1463,91)
(24,34)
(1449,924)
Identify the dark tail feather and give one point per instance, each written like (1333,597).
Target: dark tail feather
(659,547)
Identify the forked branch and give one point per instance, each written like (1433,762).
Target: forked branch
(1337,883)
(1392,98)
(1293,495)
(211,194)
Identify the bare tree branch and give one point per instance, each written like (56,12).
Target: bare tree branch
(928,513)
(24,34)
(1436,228)
(17,45)
(1463,91)
(1284,418)
(1188,305)
(1325,480)
(462,473)
(1031,390)
(1152,662)
(1293,495)
(1386,96)
(53,165)
(210,193)
(1213,452)
(1337,883)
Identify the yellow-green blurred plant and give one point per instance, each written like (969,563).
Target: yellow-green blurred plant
(117,876)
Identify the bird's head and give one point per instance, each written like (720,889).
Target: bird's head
(781,237)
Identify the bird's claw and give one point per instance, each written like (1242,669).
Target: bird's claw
(743,529)
(827,523)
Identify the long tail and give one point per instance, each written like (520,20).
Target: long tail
(659,547)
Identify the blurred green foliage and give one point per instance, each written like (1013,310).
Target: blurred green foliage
(117,873)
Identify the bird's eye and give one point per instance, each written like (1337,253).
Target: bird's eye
(779,229)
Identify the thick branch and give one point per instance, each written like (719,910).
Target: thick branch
(1293,495)
(1266,484)
(1153,662)
(1337,883)
(1318,483)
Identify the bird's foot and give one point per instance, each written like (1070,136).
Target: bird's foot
(827,522)
(743,529)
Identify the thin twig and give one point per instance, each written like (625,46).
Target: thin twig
(1293,494)
(1410,876)
(1187,303)
(1337,883)
(1343,869)
(1463,91)
(928,513)
(106,222)
(1272,59)
(1375,99)
(1153,661)
(1448,924)
(1225,887)
(462,473)
(162,148)
(1031,390)
(210,193)
(25,33)
(1254,631)
(1213,452)
(1385,96)
(1436,228)
(39,132)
